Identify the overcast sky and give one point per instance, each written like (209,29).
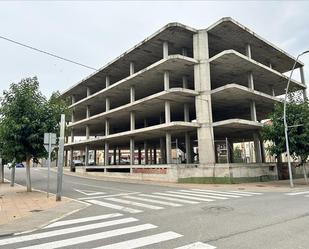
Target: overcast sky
(96,32)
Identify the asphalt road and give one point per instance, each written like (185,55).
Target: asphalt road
(128,215)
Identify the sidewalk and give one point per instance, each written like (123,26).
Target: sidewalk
(22,211)
(271,186)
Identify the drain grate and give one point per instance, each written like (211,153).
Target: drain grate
(36,210)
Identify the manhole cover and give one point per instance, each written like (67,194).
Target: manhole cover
(218,209)
(36,210)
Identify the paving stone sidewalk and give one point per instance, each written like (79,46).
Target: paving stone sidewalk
(22,211)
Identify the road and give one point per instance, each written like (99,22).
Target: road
(129,215)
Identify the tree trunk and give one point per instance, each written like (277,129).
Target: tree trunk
(305,173)
(1,171)
(13,175)
(28,179)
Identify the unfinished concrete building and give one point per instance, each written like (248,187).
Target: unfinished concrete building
(176,102)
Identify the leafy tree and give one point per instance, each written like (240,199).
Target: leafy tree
(26,115)
(298,131)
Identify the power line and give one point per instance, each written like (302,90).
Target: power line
(47,53)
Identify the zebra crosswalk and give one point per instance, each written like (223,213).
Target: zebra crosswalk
(94,232)
(302,193)
(139,202)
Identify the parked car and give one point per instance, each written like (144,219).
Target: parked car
(77,163)
(19,165)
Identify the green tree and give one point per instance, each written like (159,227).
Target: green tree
(25,115)
(298,131)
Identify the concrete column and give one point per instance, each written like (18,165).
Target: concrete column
(257,148)
(132,94)
(107,81)
(262,150)
(132,121)
(273,93)
(185,82)
(66,158)
(71,156)
(165,49)
(132,147)
(184,51)
(115,156)
(186,112)
(132,69)
(166,80)
(87,132)
(95,157)
(73,100)
(253,111)
(72,135)
(88,111)
(88,91)
(146,152)
(73,116)
(119,156)
(167,111)
(107,104)
(168,139)
(202,84)
(270,66)
(302,79)
(150,156)
(106,127)
(162,150)
(145,122)
(248,50)
(106,153)
(154,155)
(188,147)
(139,155)
(250,81)
(86,155)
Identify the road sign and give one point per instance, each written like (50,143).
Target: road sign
(50,137)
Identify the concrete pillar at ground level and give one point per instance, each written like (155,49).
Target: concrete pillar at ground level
(188,147)
(262,150)
(202,84)
(95,157)
(162,151)
(167,106)
(132,148)
(165,49)
(106,154)
(166,80)
(257,148)
(71,157)
(86,155)
(139,155)
(155,155)
(168,141)
(150,156)
(119,156)
(253,111)
(115,156)
(146,152)
(66,158)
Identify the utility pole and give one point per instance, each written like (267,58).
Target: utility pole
(60,158)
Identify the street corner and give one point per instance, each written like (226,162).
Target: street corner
(22,211)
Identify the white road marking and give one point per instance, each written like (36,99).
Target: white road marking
(298,193)
(169,198)
(91,237)
(184,197)
(133,203)
(81,220)
(153,201)
(194,193)
(221,193)
(117,207)
(197,245)
(106,196)
(65,231)
(89,192)
(144,241)
(246,192)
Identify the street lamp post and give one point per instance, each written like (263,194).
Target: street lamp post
(285,123)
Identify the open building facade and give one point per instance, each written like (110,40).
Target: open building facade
(173,106)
